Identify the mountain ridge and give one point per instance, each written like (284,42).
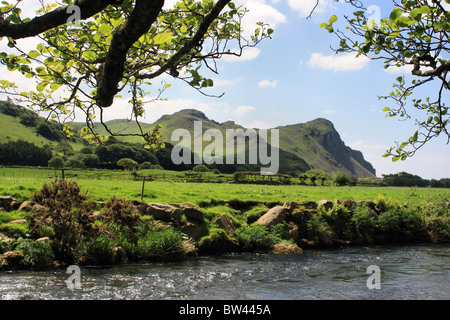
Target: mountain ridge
(315,143)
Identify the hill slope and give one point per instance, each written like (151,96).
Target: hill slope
(312,145)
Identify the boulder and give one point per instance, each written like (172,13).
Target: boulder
(18,221)
(348,204)
(4,238)
(369,203)
(273,217)
(277,214)
(293,231)
(226,223)
(11,260)
(164,212)
(26,206)
(286,248)
(217,243)
(44,239)
(9,203)
(326,204)
(193,230)
(308,204)
(191,212)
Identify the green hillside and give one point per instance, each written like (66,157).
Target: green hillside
(18,123)
(312,145)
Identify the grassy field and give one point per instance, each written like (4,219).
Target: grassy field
(102,185)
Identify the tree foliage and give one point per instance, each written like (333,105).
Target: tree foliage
(84,62)
(414,36)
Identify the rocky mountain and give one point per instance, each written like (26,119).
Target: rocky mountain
(312,145)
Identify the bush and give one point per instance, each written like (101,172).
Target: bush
(365,224)
(37,254)
(165,244)
(341,179)
(256,238)
(127,164)
(200,168)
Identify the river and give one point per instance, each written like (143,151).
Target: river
(405,272)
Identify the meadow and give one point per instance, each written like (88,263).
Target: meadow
(173,187)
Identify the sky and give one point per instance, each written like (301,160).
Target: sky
(296,77)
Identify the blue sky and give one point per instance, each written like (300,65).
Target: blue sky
(295,77)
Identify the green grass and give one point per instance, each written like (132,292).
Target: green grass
(21,183)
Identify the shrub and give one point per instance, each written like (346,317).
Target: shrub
(165,244)
(365,224)
(127,164)
(37,254)
(320,231)
(256,238)
(200,168)
(341,178)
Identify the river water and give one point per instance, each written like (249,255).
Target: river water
(405,272)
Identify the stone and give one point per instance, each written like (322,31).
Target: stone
(293,231)
(9,203)
(308,204)
(18,221)
(193,230)
(26,206)
(326,204)
(369,203)
(191,212)
(164,212)
(290,205)
(349,204)
(273,217)
(38,208)
(4,238)
(226,223)
(43,239)
(12,260)
(286,248)
(217,243)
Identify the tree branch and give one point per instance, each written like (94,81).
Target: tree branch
(52,19)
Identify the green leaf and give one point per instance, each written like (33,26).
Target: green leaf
(105,29)
(41,86)
(395,15)
(33,54)
(161,38)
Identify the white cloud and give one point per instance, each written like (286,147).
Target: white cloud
(344,62)
(248,54)
(268,83)
(328,112)
(259,11)
(394,70)
(305,7)
(242,110)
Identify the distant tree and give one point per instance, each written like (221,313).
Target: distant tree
(145,165)
(56,162)
(127,164)
(91,160)
(302,177)
(75,163)
(24,153)
(341,178)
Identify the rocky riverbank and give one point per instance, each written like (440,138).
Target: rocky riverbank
(59,226)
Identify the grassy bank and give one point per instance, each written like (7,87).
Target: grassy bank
(76,228)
